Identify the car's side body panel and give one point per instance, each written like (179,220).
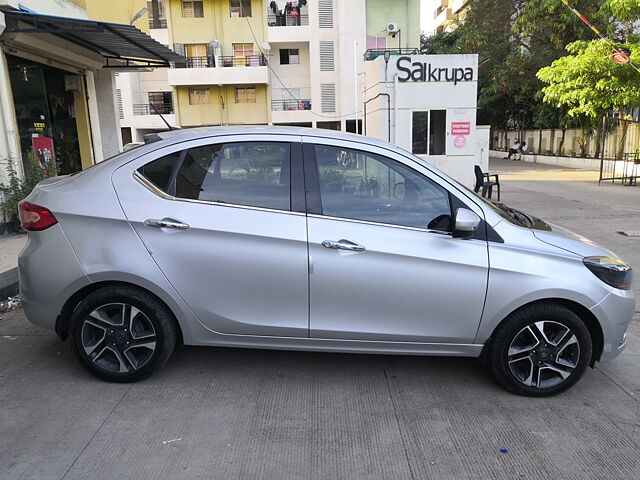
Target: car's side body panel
(95,242)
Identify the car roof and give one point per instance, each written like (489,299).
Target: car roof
(183,134)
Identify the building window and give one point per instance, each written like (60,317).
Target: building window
(240,8)
(157,14)
(162,102)
(289,56)
(437,132)
(242,49)
(376,43)
(192,9)
(198,96)
(420,139)
(246,95)
(429,132)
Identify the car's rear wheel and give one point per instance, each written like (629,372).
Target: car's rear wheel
(122,334)
(540,350)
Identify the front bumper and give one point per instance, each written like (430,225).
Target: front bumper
(614,312)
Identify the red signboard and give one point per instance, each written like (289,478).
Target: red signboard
(460,128)
(43,148)
(620,57)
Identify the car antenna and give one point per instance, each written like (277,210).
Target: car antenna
(163,119)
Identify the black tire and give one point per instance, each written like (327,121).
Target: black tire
(141,345)
(539,371)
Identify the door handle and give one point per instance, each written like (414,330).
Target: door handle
(150,222)
(343,245)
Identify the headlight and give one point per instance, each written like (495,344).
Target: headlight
(611,271)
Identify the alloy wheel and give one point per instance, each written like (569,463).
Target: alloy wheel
(543,354)
(118,337)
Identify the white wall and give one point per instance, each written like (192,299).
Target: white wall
(456,96)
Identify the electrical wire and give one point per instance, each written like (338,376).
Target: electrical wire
(597,32)
(282,83)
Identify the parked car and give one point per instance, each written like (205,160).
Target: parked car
(266,237)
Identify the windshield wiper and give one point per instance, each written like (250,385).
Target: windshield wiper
(521,217)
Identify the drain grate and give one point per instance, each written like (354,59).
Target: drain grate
(633,233)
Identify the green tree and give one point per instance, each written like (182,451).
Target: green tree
(589,84)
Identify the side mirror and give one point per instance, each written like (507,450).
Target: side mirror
(465,223)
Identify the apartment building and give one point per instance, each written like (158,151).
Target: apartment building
(441,15)
(263,62)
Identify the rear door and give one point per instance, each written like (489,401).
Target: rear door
(224,220)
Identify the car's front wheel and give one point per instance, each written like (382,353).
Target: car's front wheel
(122,334)
(540,350)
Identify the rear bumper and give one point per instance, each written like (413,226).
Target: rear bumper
(49,273)
(615,312)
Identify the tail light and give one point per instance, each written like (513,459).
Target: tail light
(34,217)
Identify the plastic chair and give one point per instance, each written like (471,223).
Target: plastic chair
(483,180)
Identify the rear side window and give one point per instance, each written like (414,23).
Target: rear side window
(256,174)
(159,171)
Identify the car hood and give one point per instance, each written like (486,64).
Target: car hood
(571,242)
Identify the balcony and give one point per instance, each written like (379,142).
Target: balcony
(374,53)
(152,109)
(287,28)
(290,105)
(223,70)
(157,23)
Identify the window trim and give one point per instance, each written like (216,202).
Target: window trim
(314,198)
(297,200)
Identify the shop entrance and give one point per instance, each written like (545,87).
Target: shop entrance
(45,104)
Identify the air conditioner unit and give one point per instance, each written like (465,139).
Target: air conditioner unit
(393,28)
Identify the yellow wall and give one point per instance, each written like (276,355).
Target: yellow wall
(217,24)
(118,11)
(82,124)
(214,114)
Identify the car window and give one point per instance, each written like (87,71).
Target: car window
(159,171)
(370,187)
(255,174)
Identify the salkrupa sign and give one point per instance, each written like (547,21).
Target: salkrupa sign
(433,68)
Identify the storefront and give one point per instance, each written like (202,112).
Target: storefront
(57,89)
(427,105)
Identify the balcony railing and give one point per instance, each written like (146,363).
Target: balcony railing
(374,53)
(148,109)
(243,61)
(157,23)
(290,105)
(197,62)
(282,20)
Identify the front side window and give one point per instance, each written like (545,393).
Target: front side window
(255,174)
(192,9)
(366,186)
(240,8)
(246,95)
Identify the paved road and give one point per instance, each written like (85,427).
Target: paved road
(223,413)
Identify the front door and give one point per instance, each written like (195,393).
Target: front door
(383,264)
(219,219)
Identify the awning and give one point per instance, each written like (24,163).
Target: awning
(117,43)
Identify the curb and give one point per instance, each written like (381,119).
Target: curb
(9,283)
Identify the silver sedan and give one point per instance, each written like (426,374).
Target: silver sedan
(304,239)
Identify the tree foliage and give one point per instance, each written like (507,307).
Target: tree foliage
(516,39)
(588,82)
